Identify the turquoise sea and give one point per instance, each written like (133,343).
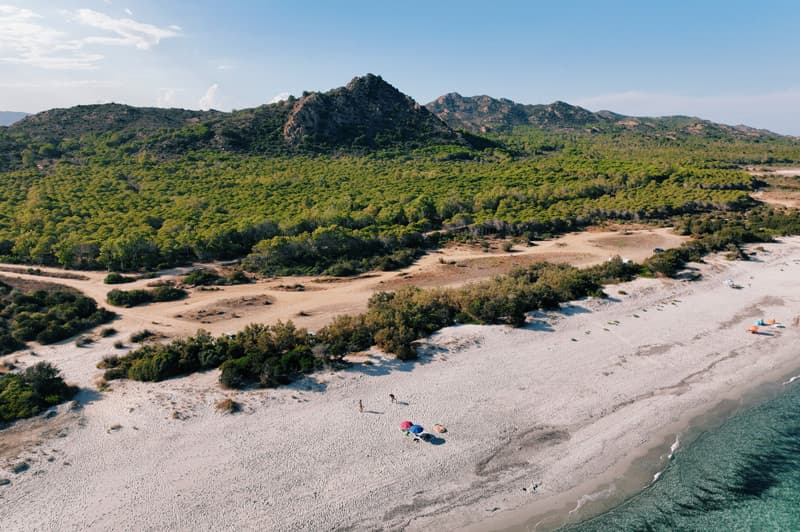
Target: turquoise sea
(743,474)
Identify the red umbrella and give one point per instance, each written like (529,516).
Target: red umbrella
(405,425)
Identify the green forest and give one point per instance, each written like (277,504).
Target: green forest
(106,205)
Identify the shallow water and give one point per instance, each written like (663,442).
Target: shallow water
(741,475)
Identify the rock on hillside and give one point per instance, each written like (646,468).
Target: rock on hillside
(484,113)
(368,111)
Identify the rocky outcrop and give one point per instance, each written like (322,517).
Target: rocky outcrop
(368,111)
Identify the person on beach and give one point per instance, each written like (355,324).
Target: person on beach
(392,398)
(360,406)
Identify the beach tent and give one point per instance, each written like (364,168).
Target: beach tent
(416,429)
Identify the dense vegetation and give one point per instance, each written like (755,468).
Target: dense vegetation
(32,391)
(132,298)
(273,355)
(118,278)
(207,277)
(110,210)
(44,316)
(724,232)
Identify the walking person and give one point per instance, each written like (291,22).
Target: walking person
(360,406)
(392,398)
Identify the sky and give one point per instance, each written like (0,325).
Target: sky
(730,61)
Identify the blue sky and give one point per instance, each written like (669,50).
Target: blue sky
(731,61)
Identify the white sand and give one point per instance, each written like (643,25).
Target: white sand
(522,406)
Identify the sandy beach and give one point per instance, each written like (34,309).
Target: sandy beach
(537,417)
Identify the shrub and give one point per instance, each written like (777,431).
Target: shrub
(129,298)
(203,277)
(46,317)
(118,278)
(141,336)
(132,298)
(234,372)
(108,331)
(345,334)
(30,392)
(239,277)
(168,293)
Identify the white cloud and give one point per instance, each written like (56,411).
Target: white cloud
(166,97)
(280,97)
(209,98)
(26,39)
(175,27)
(128,12)
(129,32)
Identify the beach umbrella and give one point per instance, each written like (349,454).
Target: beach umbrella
(753,329)
(405,425)
(416,429)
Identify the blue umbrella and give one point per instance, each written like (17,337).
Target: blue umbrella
(416,429)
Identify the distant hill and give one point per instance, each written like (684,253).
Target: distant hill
(9,117)
(366,113)
(75,122)
(484,114)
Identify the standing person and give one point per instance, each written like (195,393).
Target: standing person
(392,398)
(360,406)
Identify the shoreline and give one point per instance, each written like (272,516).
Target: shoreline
(635,474)
(561,403)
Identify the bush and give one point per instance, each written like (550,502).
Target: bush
(202,277)
(32,391)
(346,334)
(234,372)
(45,316)
(239,277)
(118,278)
(168,293)
(132,298)
(141,336)
(108,331)
(129,298)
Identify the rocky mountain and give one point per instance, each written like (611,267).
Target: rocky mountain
(484,114)
(368,111)
(9,117)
